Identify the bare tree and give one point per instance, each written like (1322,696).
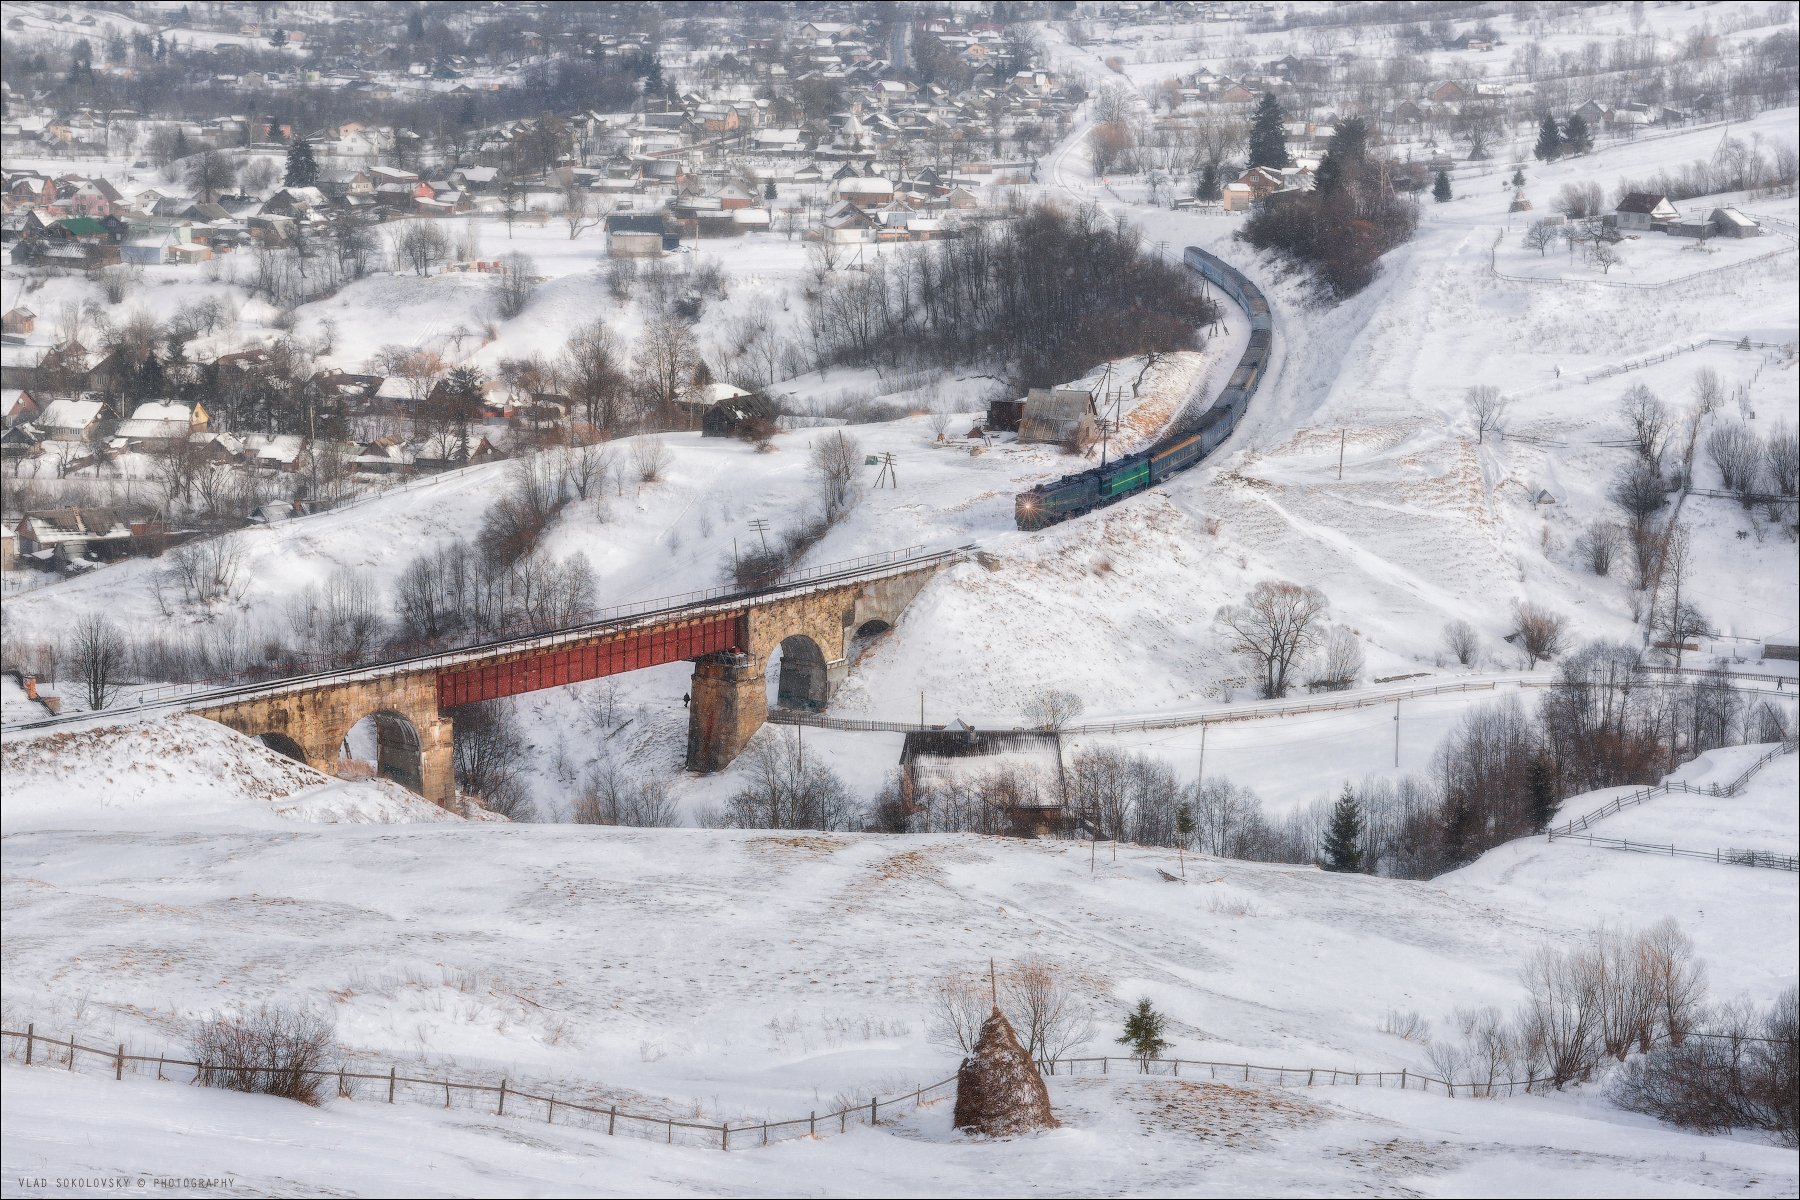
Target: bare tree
(1674,615)
(518,276)
(1050,1018)
(1343,660)
(581,211)
(1053,709)
(1781,457)
(1541,235)
(209,173)
(611,796)
(492,758)
(1709,390)
(1603,254)
(650,457)
(955,1007)
(1540,632)
(1738,455)
(1275,626)
(667,355)
(594,372)
(419,246)
(586,466)
(1562,1013)
(1648,419)
(835,458)
(1598,545)
(1488,407)
(99,651)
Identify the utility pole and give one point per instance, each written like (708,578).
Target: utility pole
(921,710)
(1396,731)
(887,476)
(761,527)
(1201,778)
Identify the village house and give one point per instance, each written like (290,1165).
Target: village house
(1645,211)
(52,537)
(159,425)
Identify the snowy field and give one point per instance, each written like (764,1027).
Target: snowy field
(748,975)
(157,872)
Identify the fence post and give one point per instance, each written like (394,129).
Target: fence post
(612,1117)
(765,1133)
(30,1042)
(843,1119)
(71,1052)
(1309,1077)
(502,1111)
(391,1072)
(669,1138)
(874,1112)
(550,1110)
(1403,1079)
(1177,1068)
(446,1093)
(1246,1072)
(812,1124)
(119,1064)
(1104,1060)
(725,1136)
(159,1068)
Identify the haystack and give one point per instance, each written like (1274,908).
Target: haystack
(998,1090)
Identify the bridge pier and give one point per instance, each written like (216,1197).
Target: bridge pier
(729,701)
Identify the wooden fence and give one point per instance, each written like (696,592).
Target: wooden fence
(393,1087)
(1497,273)
(1577,828)
(36,1049)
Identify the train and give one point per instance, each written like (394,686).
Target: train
(1055,501)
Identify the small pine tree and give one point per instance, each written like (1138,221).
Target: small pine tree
(1268,143)
(1577,136)
(1208,186)
(302,168)
(1440,190)
(1550,142)
(769,190)
(1184,833)
(1144,1032)
(1342,846)
(1542,791)
(1518,179)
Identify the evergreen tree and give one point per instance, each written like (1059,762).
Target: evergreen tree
(1343,837)
(415,26)
(1440,190)
(1518,179)
(1268,145)
(769,190)
(1550,143)
(302,168)
(463,386)
(1144,1032)
(1577,136)
(653,77)
(1542,791)
(1208,188)
(81,65)
(181,144)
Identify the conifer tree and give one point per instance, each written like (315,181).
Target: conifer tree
(1577,137)
(1144,1032)
(1343,837)
(1518,179)
(1208,186)
(1542,791)
(302,168)
(1268,145)
(1440,190)
(1550,143)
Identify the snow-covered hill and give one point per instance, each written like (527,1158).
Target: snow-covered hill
(743,975)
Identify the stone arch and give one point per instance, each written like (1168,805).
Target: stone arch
(803,681)
(398,749)
(281,743)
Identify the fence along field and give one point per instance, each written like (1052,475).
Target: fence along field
(1576,829)
(41,1050)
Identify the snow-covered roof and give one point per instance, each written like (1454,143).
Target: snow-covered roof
(71,414)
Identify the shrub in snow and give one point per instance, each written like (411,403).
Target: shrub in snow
(272,1052)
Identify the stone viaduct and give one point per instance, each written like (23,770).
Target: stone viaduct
(730,641)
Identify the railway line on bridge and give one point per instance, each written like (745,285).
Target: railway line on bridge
(810,617)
